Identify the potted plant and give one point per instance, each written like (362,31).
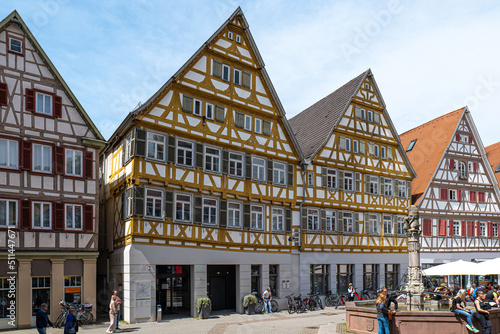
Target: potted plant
(203,307)
(249,302)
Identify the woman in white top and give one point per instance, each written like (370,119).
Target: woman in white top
(112,315)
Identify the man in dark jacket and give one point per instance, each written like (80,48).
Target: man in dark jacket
(42,320)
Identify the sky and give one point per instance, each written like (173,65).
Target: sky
(428,57)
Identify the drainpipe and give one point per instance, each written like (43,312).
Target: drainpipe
(304,168)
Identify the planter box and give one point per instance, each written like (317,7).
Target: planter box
(250,309)
(204,312)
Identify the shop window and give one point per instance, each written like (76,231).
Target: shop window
(344,276)
(255,278)
(391,276)
(6,297)
(40,293)
(370,277)
(73,289)
(319,278)
(274,279)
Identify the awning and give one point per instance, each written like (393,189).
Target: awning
(459,267)
(489,267)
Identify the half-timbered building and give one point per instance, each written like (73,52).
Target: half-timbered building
(48,183)
(200,185)
(356,191)
(493,154)
(456,190)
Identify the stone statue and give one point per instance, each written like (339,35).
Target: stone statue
(411,222)
(415,287)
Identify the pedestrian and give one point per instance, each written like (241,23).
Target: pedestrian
(350,291)
(267,297)
(118,303)
(112,315)
(482,313)
(71,326)
(42,320)
(458,307)
(383,314)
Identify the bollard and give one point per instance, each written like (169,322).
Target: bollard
(158,313)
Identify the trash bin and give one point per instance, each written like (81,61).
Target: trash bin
(158,313)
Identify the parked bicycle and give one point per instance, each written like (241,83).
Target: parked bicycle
(83,313)
(331,298)
(299,304)
(259,307)
(292,306)
(317,301)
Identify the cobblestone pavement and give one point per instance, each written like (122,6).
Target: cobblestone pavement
(323,321)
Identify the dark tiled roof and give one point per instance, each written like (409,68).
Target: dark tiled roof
(313,126)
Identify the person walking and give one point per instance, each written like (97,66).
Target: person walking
(350,291)
(383,314)
(482,313)
(112,315)
(457,307)
(118,303)
(71,326)
(42,320)
(267,297)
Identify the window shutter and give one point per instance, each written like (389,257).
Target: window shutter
(450,228)
(356,222)
(199,155)
(239,120)
(324,182)
(219,114)
(270,171)
(357,112)
(223,212)
(427,227)
(290,179)
(389,153)
(88,225)
(30,100)
(216,68)
(139,201)
(474,167)
(340,221)
(371,148)
(382,186)
(59,155)
(358,181)
(140,142)
(57,106)
(471,140)
(266,128)
(457,137)
(26,155)
(88,164)
(478,229)
(246,215)
(3,94)
(376,117)
(452,164)
(367,183)
(362,147)
(169,204)
(187,104)
(472,196)
(288,220)
(124,201)
(444,194)
(490,229)
(132,143)
(442,227)
(123,152)
(225,161)
(171,149)
(246,78)
(342,143)
(197,209)
(322,215)
(463,228)
(408,189)
(58,217)
(304,219)
(248,167)
(25,214)
(459,195)
(394,224)
(470,228)
(340,183)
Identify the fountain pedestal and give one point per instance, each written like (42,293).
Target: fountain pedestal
(415,287)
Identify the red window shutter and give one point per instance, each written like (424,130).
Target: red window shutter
(459,195)
(463,228)
(88,164)
(59,216)
(88,218)
(450,228)
(427,228)
(26,155)
(3,94)
(470,140)
(452,164)
(57,106)
(470,229)
(490,229)
(444,193)
(472,196)
(30,100)
(481,197)
(478,229)
(442,227)
(457,137)
(25,214)
(474,167)
(59,160)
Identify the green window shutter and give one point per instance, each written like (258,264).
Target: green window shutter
(358,182)
(140,143)
(340,221)
(322,213)
(288,220)
(197,209)
(216,68)
(169,204)
(219,114)
(187,104)
(222,212)
(266,128)
(171,149)
(246,78)
(342,143)
(225,162)
(408,189)
(270,171)
(304,219)
(324,171)
(124,205)
(138,201)
(199,155)
(340,184)
(376,118)
(356,222)
(246,215)
(290,179)
(239,120)
(362,147)
(248,167)
(389,152)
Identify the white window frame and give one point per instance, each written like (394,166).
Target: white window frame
(376,151)
(185,150)
(348,219)
(383,152)
(373,224)
(72,155)
(42,162)
(367,86)
(363,114)
(129,205)
(471,166)
(259,169)
(278,219)
(374,185)
(197,107)
(230,35)
(452,194)
(279,174)
(248,123)
(482,229)
(184,203)
(17,40)
(495,230)
(155,200)
(209,110)
(387,223)
(355,146)
(236,163)
(156,144)
(41,107)
(462,170)
(348,144)
(234,214)
(402,189)
(238,39)
(370,116)
(258,125)
(212,205)
(8,212)
(127,146)
(257,217)
(331,178)
(73,217)
(348,181)
(313,221)
(223,74)
(456,227)
(400,225)
(331,221)
(211,158)
(9,163)
(237,81)
(310,179)
(43,204)
(388,188)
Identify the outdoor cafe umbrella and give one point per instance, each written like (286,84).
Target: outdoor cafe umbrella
(489,267)
(459,267)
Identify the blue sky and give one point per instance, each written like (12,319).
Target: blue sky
(428,57)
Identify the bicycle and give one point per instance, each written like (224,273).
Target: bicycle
(61,318)
(340,301)
(292,306)
(84,314)
(309,302)
(331,298)
(299,304)
(259,307)
(317,301)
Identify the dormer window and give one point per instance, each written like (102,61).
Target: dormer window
(411,145)
(498,169)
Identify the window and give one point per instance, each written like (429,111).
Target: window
(9,153)
(127,146)
(230,35)
(279,172)
(6,296)
(183,207)
(462,171)
(248,123)
(348,181)
(274,279)
(331,178)
(363,114)
(258,125)
(42,215)
(355,146)
(257,215)
(498,168)
(313,219)
(456,228)
(237,77)
(8,213)
(226,71)
(471,167)
(376,151)
(129,198)
(212,159)
(74,217)
(388,192)
(278,220)
(238,39)
(383,152)
(399,226)
(411,145)
(43,103)
(331,221)
(367,86)
(348,144)
(373,185)
(233,214)
(387,225)
(73,289)
(453,194)
(482,229)
(236,164)
(154,203)
(184,153)
(255,278)
(156,146)
(391,276)
(42,158)
(74,162)
(372,224)
(370,116)
(319,278)
(310,179)
(344,276)
(370,277)
(209,113)
(209,211)
(494,230)
(348,222)
(197,107)
(401,189)
(40,293)
(15,45)
(259,169)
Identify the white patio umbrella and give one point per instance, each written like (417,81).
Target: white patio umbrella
(459,267)
(489,267)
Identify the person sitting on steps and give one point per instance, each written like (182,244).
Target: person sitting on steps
(457,307)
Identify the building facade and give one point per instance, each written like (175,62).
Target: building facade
(456,191)
(48,183)
(354,193)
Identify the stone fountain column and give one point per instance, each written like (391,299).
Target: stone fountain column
(415,287)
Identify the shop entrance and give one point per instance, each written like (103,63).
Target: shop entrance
(222,287)
(173,288)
